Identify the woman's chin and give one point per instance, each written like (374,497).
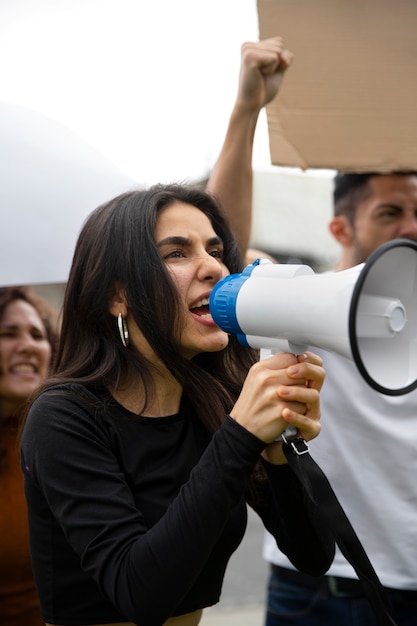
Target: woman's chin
(213,344)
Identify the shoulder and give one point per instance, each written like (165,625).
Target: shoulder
(67,394)
(64,407)
(63,418)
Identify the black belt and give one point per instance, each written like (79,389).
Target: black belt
(336,586)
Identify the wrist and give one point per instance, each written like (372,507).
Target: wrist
(273,454)
(245,112)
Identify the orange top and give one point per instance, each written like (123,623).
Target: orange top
(19,605)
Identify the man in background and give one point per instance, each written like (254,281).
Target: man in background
(368,443)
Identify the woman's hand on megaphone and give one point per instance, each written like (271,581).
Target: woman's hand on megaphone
(281,390)
(306,423)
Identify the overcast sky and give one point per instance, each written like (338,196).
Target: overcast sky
(150,83)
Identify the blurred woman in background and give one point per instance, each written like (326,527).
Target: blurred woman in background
(27,343)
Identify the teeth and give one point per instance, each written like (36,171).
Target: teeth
(203,302)
(23,368)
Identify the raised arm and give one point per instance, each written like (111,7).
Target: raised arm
(263,65)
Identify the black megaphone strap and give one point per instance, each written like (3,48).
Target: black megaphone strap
(321,494)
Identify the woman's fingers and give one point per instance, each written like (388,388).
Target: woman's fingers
(308,396)
(308,368)
(281,388)
(301,396)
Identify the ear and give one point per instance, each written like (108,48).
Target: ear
(118,302)
(341,230)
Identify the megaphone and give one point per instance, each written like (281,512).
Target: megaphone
(367,313)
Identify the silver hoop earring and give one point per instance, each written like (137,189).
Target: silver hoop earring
(123,332)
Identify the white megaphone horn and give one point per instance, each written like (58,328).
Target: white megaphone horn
(367,313)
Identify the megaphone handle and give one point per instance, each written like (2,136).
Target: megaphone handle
(290,432)
(325,502)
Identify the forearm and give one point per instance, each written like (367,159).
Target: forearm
(299,532)
(231,180)
(263,65)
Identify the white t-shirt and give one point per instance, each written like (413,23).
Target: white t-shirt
(368,450)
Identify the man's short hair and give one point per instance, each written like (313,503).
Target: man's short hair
(345,183)
(351,188)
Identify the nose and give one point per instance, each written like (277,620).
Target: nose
(27,343)
(210,268)
(408,228)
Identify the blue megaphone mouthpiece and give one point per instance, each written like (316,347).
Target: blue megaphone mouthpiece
(223,300)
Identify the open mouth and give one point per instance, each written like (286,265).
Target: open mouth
(201,308)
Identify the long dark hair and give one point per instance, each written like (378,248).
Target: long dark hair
(117,246)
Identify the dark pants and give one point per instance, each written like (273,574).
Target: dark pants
(294,598)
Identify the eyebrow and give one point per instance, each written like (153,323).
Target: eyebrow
(390,205)
(8,325)
(184,241)
(11,326)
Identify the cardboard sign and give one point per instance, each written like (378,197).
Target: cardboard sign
(349,100)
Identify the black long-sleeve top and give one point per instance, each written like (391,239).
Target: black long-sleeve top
(135,518)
